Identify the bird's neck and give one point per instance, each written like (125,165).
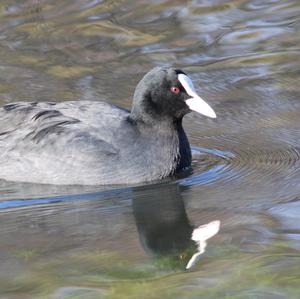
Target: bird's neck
(167,129)
(161,125)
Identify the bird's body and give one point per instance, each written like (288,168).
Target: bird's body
(90,142)
(82,143)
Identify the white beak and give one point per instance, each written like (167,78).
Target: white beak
(195,103)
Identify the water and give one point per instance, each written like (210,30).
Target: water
(134,241)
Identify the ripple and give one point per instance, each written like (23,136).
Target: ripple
(264,164)
(209,165)
(250,164)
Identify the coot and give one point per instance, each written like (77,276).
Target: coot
(90,142)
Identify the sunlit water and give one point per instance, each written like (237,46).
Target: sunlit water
(134,241)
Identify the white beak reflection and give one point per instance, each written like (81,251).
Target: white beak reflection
(200,235)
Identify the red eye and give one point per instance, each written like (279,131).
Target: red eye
(175,89)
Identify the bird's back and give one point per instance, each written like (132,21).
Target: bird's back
(59,142)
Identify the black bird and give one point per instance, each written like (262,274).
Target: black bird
(90,142)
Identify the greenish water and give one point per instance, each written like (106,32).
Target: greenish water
(134,241)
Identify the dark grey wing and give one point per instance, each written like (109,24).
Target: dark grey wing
(39,121)
(106,118)
(23,116)
(56,124)
(13,116)
(39,141)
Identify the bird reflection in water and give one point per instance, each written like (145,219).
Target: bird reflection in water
(164,228)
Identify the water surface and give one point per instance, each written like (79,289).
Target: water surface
(134,241)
